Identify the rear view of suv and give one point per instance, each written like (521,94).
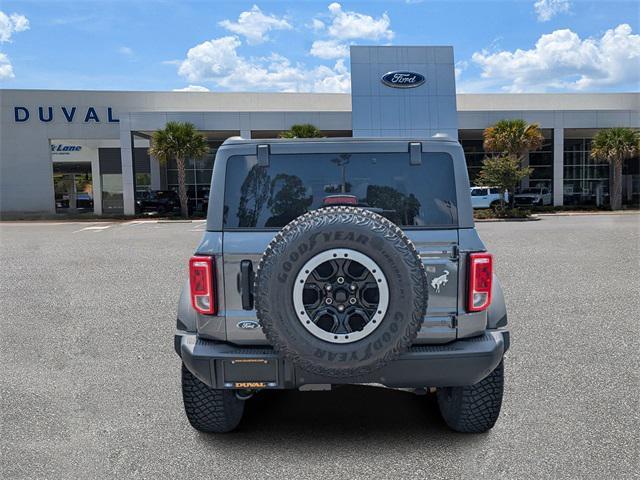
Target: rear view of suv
(341,261)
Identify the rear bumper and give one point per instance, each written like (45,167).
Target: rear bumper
(463,362)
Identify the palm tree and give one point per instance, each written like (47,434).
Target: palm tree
(615,145)
(303,130)
(512,139)
(179,141)
(515,138)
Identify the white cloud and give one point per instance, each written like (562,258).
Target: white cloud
(547,9)
(210,59)
(329,49)
(317,25)
(254,25)
(336,79)
(6,69)
(217,61)
(460,67)
(10,24)
(192,88)
(126,51)
(562,60)
(346,25)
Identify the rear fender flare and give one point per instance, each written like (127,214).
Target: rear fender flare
(186,313)
(497,312)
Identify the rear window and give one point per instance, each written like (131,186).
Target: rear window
(408,195)
(478,192)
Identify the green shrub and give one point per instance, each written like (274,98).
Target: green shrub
(506,213)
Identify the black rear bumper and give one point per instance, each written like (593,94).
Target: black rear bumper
(463,362)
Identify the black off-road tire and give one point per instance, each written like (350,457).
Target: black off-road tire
(208,409)
(334,228)
(473,408)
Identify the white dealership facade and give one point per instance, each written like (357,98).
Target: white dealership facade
(69,151)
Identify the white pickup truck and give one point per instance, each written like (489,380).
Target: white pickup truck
(486,197)
(533,196)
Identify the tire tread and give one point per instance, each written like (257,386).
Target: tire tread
(473,408)
(208,409)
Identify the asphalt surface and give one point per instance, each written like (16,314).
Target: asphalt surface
(89,382)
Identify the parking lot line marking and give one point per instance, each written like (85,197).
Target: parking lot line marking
(95,228)
(134,223)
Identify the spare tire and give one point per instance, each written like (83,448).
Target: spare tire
(341,292)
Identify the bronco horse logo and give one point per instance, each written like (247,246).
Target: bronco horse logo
(439,282)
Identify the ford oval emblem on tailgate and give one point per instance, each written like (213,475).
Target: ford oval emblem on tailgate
(248,324)
(402,79)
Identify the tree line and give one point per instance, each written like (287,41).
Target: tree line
(509,142)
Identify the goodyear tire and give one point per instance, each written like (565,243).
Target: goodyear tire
(473,408)
(341,292)
(210,410)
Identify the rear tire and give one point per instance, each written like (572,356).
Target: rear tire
(208,409)
(473,408)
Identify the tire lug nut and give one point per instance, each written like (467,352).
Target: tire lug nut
(340,280)
(352,300)
(329,301)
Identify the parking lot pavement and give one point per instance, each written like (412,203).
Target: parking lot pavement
(89,384)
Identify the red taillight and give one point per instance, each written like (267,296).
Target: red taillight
(480,279)
(201,279)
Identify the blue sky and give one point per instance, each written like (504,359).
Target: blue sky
(513,46)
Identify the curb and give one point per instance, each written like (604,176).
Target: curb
(577,214)
(533,218)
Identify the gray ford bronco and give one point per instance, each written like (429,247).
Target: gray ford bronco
(341,261)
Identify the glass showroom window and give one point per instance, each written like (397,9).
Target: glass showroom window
(541,160)
(198,179)
(474,154)
(143,182)
(142,170)
(542,163)
(586,181)
(631,182)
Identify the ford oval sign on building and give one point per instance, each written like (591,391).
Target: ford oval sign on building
(401,79)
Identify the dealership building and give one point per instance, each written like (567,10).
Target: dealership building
(86,151)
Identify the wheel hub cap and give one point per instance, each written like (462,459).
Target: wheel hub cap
(341,295)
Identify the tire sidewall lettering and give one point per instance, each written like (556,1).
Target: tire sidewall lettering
(375,240)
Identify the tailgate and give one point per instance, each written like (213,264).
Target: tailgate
(437,249)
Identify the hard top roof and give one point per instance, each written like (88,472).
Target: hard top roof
(256,141)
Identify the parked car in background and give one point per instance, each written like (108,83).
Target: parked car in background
(537,196)
(486,197)
(84,201)
(158,201)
